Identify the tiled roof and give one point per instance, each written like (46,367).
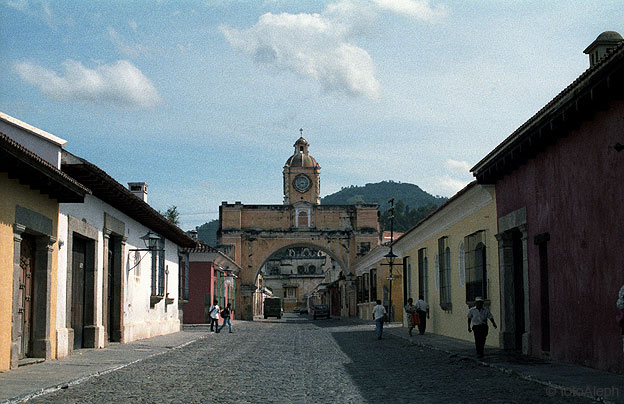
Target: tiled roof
(30,169)
(112,192)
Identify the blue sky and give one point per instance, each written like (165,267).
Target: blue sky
(203,100)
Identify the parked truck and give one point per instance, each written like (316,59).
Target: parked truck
(273,307)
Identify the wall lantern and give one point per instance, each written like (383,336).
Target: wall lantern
(151,242)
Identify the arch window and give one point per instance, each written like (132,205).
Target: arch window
(476,266)
(444,252)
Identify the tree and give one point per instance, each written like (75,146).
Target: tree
(172,214)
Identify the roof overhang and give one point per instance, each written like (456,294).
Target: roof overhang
(105,188)
(589,93)
(30,169)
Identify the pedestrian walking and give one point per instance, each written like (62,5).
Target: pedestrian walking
(422,309)
(378,314)
(412,315)
(225,314)
(214,316)
(478,316)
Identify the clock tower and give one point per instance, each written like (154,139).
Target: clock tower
(302,176)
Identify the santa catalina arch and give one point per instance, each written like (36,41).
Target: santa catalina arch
(256,233)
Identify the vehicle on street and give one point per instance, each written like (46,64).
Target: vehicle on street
(273,307)
(320,310)
(301,310)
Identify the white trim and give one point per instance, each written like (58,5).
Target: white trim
(31,129)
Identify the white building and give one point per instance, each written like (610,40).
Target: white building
(122,269)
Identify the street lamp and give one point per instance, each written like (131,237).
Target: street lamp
(150,240)
(391,258)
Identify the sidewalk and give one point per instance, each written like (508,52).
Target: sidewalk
(30,381)
(559,378)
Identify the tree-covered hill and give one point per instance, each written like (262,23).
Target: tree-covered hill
(380,192)
(411,203)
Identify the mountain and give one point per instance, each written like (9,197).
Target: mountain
(411,203)
(207,232)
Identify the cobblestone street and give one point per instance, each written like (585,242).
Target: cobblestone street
(297,360)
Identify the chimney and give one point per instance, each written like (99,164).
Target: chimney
(139,189)
(602,46)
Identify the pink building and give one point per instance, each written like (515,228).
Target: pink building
(212,275)
(559,182)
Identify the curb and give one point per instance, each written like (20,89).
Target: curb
(47,390)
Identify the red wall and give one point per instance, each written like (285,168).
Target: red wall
(200,283)
(575,191)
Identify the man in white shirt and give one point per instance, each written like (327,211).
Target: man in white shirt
(422,309)
(479,316)
(378,314)
(214,316)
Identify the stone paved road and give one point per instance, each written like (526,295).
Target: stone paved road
(297,360)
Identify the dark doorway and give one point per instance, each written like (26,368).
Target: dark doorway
(25,299)
(79,251)
(518,278)
(113,325)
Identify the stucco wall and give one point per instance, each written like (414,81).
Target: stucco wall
(140,320)
(574,192)
(12,194)
(457,220)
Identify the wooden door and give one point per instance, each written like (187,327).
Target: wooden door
(24,310)
(78,291)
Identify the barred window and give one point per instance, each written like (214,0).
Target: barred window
(476,266)
(161,267)
(158,269)
(422,272)
(444,253)
(183,274)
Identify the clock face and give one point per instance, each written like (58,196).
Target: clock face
(302,183)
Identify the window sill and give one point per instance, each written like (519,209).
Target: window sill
(154,299)
(446,306)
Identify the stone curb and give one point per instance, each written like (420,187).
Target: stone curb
(47,390)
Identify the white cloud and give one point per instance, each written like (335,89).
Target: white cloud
(120,83)
(419,9)
(133,25)
(125,48)
(309,45)
(458,167)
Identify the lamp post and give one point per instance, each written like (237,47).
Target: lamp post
(390,258)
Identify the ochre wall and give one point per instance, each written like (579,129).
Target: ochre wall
(12,193)
(453,323)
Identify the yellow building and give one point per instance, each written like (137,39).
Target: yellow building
(451,257)
(31,188)
(372,283)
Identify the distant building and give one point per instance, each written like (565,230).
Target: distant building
(213,276)
(258,233)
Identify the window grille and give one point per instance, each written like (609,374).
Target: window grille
(476,266)
(444,253)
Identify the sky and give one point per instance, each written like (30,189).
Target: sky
(204,100)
